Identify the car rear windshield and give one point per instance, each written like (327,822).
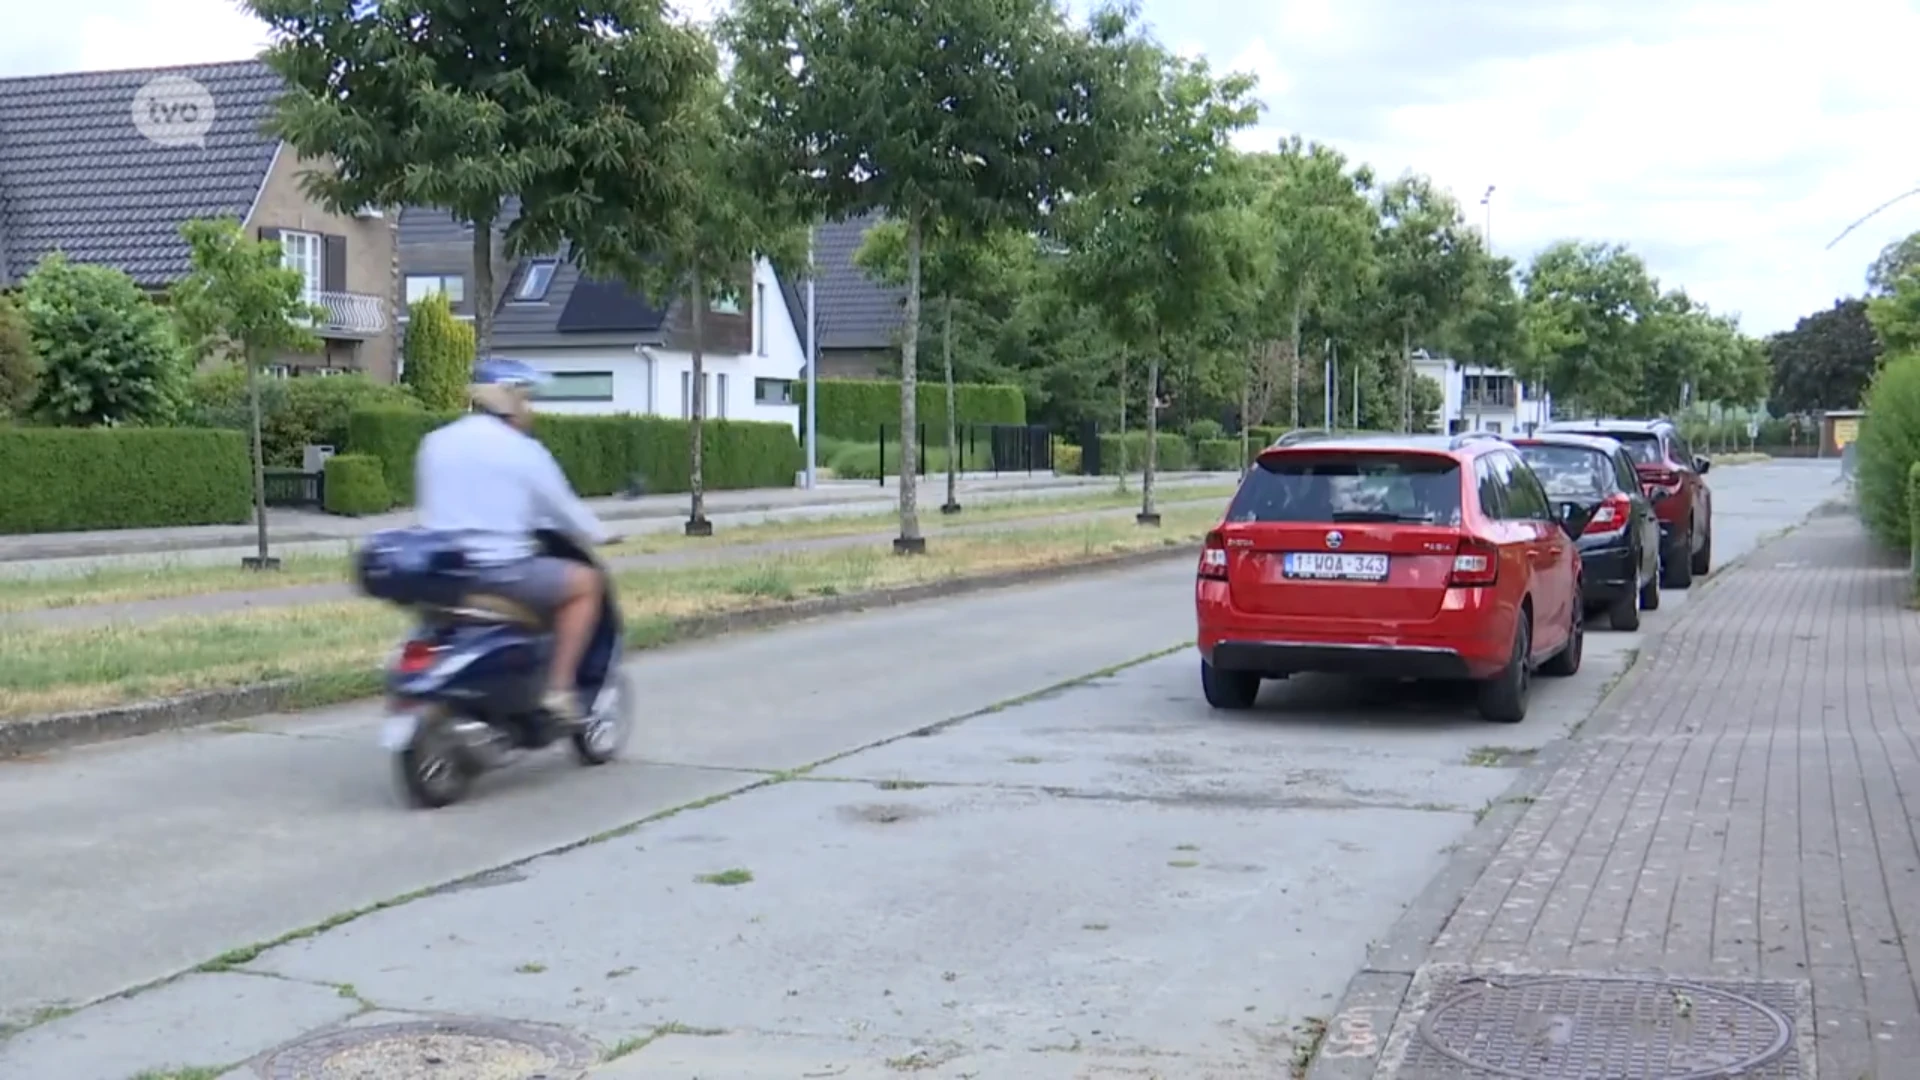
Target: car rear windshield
(1642,447)
(1570,472)
(1311,487)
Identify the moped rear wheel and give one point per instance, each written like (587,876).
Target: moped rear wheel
(434,769)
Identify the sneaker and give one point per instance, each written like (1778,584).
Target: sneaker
(564,707)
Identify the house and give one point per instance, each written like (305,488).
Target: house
(1480,398)
(610,349)
(860,319)
(80,176)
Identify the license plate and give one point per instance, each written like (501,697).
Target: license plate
(1331,566)
(397,733)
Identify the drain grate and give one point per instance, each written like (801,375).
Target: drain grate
(1595,1027)
(446,1049)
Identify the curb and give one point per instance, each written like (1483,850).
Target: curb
(1369,1009)
(43,733)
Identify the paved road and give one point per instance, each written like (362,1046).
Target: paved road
(1038,868)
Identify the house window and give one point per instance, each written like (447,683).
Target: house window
(533,287)
(576,386)
(686,395)
(773,392)
(421,286)
(720,397)
(304,252)
(760,318)
(726,302)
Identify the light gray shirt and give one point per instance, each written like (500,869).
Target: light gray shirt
(481,480)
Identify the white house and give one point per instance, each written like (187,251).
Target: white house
(612,350)
(1480,398)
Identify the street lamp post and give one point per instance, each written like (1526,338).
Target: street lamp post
(1486,236)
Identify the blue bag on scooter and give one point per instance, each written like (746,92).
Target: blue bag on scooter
(412,567)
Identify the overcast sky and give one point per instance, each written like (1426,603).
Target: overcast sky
(1727,141)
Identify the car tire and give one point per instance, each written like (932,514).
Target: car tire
(1566,662)
(1233,690)
(1650,594)
(1624,612)
(1678,573)
(1503,698)
(1702,560)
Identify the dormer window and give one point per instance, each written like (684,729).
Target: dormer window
(539,277)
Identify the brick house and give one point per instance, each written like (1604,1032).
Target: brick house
(77,176)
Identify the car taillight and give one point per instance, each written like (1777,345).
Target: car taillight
(1611,517)
(1660,478)
(1213,558)
(1476,564)
(416,657)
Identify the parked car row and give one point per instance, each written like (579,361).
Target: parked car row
(1470,556)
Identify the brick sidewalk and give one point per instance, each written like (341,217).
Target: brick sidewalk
(1735,816)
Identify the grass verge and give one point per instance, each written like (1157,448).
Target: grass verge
(332,652)
(126,584)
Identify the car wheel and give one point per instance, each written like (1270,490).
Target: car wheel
(1677,573)
(1624,612)
(1234,690)
(1567,661)
(1503,698)
(1650,595)
(1703,559)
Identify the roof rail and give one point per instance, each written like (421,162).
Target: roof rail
(1466,437)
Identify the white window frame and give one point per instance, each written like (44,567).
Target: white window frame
(539,272)
(551,392)
(759,318)
(720,396)
(307,253)
(686,395)
(784,397)
(454,286)
(726,302)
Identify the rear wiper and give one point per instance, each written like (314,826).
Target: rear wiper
(1382,515)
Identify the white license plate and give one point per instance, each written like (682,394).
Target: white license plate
(1332,566)
(397,733)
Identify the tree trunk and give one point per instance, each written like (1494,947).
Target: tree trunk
(910,542)
(697,523)
(1120,463)
(1147,515)
(953,413)
(483,288)
(1299,311)
(259,459)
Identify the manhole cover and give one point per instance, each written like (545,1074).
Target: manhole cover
(1609,1028)
(436,1050)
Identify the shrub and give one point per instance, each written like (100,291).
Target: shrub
(60,479)
(356,486)
(1173,453)
(1913,510)
(439,354)
(1203,430)
(19,364)
(293,412)
(1218,455)
(1067,460)
(601,455)
(1889,446)
(108,354)
(856,408)
(1264,435)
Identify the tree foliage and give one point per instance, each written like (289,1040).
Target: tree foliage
(19,364)
(1895,315)
(108,353)
(1825,362)
(1894,262)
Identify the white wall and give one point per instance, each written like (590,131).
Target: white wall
(649,381)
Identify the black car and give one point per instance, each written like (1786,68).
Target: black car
(1594,486)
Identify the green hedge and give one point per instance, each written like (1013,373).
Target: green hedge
(1174,454)
(294,412)
(1218,455)
(62,479)
(1888,448)
(855,408)
(356,485)
(1913,509)
(602,454)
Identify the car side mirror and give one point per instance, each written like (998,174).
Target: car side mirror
(1573,519)
(1700,465)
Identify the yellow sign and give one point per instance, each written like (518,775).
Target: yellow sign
(1845,432)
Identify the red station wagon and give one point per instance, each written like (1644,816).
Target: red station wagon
(1401,556)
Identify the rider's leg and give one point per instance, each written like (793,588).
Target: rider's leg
(574,616)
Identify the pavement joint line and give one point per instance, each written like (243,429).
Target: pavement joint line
(234,960)
(1058,791)
(1404,948)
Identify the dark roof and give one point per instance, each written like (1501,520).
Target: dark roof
(855,311)
(77,177)
(600,307)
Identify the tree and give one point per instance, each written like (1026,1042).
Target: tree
(243,302)
(1427,260)
(1584,306)
(19,364)
(1895,261)
(722,223)
(1896,315)
(1825,362)
(1152,249)
(108,354)
(1490,331)
(467,105)
(969,114)
(439,351)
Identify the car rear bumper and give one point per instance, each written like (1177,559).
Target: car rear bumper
(1382,661)
(1607,571)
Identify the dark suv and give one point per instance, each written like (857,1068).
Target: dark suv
(1671,474)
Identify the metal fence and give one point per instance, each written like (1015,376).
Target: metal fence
(983,448)
(296,488)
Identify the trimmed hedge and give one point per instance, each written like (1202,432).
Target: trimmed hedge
(856,408)
(294,412)
(62,479)
(1889,446)
(602,454)
(1217,455)
(1173,452)
(1913,509)
(356,486)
